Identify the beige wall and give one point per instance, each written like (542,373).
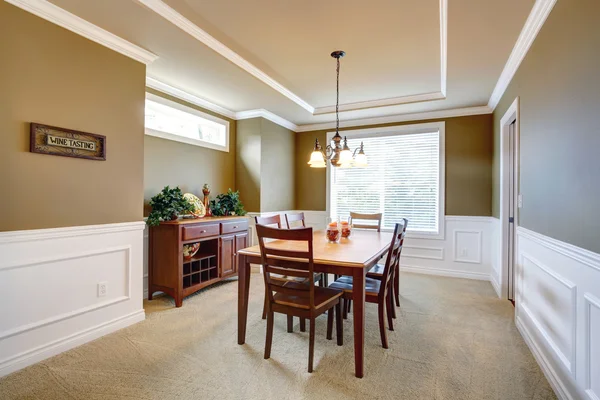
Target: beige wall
(559,88)
(277,167)
(52,76)
(247,165)
(265,165)
(469,148)
(171,163)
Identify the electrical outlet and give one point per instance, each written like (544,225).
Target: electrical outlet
(102,289)
(464,252)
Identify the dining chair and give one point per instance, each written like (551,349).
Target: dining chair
(377,273)
(292,218)
(318,277)
(379,291)
(291,298)
(376,225)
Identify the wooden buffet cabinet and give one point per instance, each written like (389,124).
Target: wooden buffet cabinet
(220,238)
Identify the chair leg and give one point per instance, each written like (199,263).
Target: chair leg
(330,323)
(389,302)
(345,309)
(339,325)
(397,286)
(302,324)
(265,306)
(392,291)
(311,345)
(269,338)
(322,281)
(349,306)
(382,330)
(290,324)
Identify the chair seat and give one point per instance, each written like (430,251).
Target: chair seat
(297,279)
(322,296)
(376,271)
(372,286)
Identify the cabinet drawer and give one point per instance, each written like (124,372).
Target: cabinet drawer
(236,226)
(200,231)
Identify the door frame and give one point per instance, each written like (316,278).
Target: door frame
(511,114)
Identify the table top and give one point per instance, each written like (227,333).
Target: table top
(360,250)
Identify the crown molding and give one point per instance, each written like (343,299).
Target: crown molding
(456,112)
(266,115)
(537,17)
(190,98)
(417,98)
(65,19)
(168,13)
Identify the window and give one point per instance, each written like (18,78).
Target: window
(170,120)
(404,178)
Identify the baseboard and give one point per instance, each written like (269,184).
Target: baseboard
(551,375)
(445,272)
(51,349)
(495,283)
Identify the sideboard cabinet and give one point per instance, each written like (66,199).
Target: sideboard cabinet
(220,239)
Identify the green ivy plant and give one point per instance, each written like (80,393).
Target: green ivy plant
(167,205)
(226,203)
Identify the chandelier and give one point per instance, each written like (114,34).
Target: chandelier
(338,155)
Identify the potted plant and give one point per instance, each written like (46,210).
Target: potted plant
(167,205)
(227,204)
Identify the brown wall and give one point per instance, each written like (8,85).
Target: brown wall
(171,163)
(55,77)
(277,167)
(559,88)
(247,164)
(469,148)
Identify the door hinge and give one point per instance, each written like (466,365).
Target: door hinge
(511,220)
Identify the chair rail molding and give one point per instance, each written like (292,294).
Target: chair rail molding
(557,311)
(63,274)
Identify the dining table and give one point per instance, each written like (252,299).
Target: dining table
(352,256)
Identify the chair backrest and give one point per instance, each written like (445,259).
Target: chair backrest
(365,217)
(289,218)
(393,256)
(295,260)
(271,220)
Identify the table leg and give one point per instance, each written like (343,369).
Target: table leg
(358,295)
(243,291)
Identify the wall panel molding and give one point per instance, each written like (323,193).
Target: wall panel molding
(592,350)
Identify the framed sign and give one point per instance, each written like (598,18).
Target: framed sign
(66,142)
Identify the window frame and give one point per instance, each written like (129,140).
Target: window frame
(429,127)
(189,110)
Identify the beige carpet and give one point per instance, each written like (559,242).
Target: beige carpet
(453,340)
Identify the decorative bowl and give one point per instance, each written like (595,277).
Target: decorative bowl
(190,250)
(199,209)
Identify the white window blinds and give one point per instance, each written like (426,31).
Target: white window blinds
(402,180)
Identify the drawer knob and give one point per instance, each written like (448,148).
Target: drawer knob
(235,227)
(202,231)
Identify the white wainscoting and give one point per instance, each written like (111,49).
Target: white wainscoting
(558,312)
(49,288)
(496,243)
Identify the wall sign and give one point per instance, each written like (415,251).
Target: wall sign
(66,142)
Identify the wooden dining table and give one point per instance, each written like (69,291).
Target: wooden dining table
(353,257)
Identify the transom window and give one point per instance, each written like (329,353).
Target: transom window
(404,178)
(170,120)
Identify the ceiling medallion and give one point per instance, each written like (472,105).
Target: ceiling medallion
(338,155)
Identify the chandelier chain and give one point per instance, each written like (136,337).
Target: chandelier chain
(337,99)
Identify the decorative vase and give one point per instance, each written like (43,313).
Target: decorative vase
(206,201)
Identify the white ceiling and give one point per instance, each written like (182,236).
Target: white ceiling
(397,51)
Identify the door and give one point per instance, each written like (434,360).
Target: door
(511,210)
(226,251)
(241,242)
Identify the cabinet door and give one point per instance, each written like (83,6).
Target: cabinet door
(227,250)
(241,242)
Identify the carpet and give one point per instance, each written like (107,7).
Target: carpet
(453,339)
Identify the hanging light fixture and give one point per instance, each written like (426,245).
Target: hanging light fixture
(338,155)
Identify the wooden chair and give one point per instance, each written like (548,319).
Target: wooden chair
(377,273)
(365,217)
(379,291)
(291,298)
(276,220)
(289,218)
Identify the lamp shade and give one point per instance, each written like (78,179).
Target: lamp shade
(345,156)
(316,157)
(361,160)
